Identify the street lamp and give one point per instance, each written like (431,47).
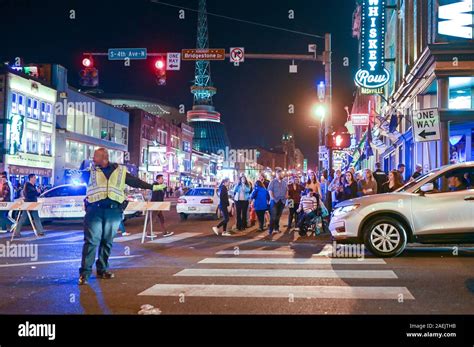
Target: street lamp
(319,111)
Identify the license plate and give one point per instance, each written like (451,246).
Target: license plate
(191,208)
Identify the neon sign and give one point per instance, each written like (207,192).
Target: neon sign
(456,19)
(372,75)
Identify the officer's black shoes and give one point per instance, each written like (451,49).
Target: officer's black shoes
(83,280)
(106,275)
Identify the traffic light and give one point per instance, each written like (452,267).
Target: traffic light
(89,74)
(160,71)
(338,140)
(87,62)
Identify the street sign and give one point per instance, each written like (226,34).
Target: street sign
(426,125)
(305,165)
(203,54)
(127,53)
(237,54)
(360,119)
(173,61)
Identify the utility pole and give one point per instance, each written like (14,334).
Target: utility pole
(328,77)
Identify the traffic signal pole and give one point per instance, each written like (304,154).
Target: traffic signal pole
(325,59)
(328,77)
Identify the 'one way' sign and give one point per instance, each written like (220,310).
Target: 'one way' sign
(426,126)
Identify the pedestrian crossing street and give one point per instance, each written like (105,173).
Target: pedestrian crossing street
(257,265)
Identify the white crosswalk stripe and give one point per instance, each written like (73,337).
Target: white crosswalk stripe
(128,238)
(293,261)
(277,291)
(293,273)
(164,240)
(313,267)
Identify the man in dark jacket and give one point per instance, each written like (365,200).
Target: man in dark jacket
(159,192)
(379,176)
(223,206)
(294,196)
(30,193)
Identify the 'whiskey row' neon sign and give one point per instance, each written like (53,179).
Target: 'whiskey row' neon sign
(372,73)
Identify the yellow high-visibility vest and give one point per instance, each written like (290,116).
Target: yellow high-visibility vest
(100,188)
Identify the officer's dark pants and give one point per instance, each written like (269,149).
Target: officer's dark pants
(100,228)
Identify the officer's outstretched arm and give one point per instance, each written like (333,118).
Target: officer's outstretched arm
(135,182)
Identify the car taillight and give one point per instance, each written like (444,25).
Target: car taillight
(182,201)
(207,201)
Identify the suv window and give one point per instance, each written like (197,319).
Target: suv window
(66,191)
(454,180)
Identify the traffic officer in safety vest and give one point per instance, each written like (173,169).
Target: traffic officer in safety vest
(104,204)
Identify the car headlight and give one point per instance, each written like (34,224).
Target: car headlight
(344,210)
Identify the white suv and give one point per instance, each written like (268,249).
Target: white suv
(438,207)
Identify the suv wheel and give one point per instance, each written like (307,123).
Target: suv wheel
(183,216)
(385,237)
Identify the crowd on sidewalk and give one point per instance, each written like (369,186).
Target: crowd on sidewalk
(313,194)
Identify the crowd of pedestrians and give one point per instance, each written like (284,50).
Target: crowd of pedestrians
(264,201)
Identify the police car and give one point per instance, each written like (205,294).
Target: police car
(67,202)
(200,201)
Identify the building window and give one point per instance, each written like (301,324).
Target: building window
(36,109)
(32,141)
(43,111)
(45,144)
(29,108)
(174,141)
(49,113)
(70,120)
(162,137)
(186,146)
(14,104)
(460,93)
(21,105)
(79,128)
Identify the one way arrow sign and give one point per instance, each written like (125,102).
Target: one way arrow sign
(426,125)
(173,61)
(425,134)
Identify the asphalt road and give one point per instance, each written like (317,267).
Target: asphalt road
(196,272)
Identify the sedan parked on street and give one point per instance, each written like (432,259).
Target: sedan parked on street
(200,201)
(438,207)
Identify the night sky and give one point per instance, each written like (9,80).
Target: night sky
(252,98)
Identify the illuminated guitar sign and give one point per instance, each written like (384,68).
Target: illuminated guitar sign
(372,75)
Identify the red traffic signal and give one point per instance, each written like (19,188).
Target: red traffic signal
(87,62)
(160,64)
(338,140)
(89,77)
(160,72)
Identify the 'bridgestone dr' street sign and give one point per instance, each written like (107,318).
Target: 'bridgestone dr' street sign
(426,125)
(203,54)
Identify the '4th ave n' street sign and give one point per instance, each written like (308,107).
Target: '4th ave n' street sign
(426,125)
